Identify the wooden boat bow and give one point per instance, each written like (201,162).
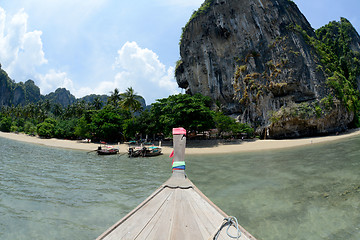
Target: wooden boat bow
(176,210)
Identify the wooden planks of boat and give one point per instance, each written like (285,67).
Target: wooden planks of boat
(176,210)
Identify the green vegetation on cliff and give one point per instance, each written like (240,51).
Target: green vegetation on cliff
(202,9)
(12,93)
(340,63)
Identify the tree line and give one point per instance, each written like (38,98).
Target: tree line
(121,118)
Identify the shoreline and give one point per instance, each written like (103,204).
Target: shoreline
(193,146)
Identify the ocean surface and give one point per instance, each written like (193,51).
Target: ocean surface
(307,193)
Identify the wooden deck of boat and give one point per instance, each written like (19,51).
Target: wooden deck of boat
(177,210)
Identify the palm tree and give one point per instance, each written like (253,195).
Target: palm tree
(130,100)
(114,98)
(97,103)
(57,110)
(46,105)
(80,108)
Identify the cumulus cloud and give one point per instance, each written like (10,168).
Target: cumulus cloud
(23,57)
(141,69)
(21,50)
(56,79)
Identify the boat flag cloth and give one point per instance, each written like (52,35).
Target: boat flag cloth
(178,166)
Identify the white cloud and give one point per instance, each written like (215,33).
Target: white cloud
(21,51)
(2,22)
(141,69)
(52,80)
(55,79)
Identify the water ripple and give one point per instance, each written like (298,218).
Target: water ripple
(51,193)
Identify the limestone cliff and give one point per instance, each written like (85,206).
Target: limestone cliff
(6,86)
(12,93)
(61,96)
(251,56)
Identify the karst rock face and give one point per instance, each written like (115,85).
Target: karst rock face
(246,55)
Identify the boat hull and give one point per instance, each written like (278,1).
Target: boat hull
(107,152)
(177,210)
(144,152)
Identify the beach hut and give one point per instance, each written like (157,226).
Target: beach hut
(177,210)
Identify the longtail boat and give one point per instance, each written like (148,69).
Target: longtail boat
(177,210)
(144,151)
(107,150)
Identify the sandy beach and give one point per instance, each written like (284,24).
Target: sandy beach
(193,146)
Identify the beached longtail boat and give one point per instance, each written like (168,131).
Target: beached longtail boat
(144,151)
(107,150)
(177,210)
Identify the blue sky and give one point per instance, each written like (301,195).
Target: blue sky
(95,46)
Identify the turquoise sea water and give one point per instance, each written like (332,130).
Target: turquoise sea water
(308,192)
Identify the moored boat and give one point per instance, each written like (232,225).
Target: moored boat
(153,151)
(107,150)
(144,151)
(177,210)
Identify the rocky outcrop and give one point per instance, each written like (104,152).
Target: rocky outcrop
(298,120)
(251,56)
(19,95)
(12,93)
(61,96)
(33,94)
(6,86)
(91,98)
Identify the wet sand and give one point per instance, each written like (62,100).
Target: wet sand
(193,146)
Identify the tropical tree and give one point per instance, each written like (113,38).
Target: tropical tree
(129,100)
(80,108)
(229,125)
(223,123)
(29,128)
(97,103)
(191,112)
(146,123)
(5,124)
(57,110)
(46,128)
(114,98)
(83,128)
(107,124)
(46,105)
(66,129)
